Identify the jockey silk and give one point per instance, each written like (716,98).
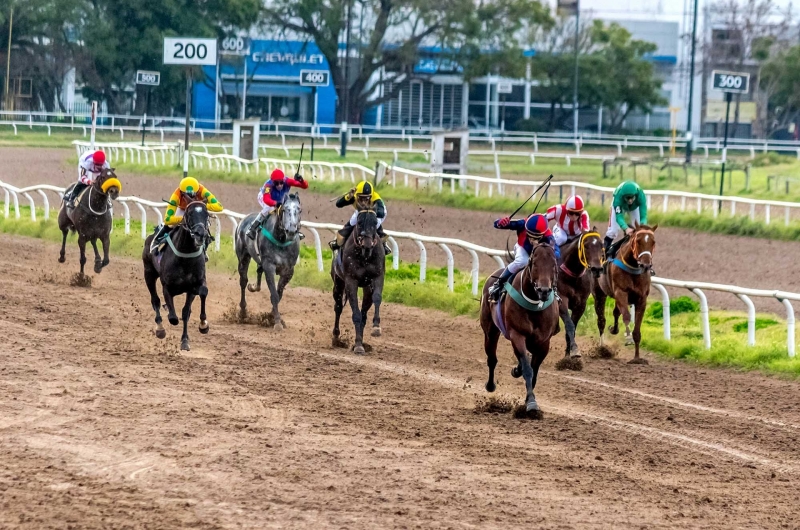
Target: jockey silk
(572,228)
(88,169)
(270,196)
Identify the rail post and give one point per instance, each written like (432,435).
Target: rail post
(665,306)
(449,254)
(395,253)
(704,318)
(751,319)
(790,345)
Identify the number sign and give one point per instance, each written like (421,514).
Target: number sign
(504,87)
(235,46)
(737,82)
(146,77)
(314,78)
(190,51)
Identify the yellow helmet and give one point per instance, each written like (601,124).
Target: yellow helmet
(189,186)
(364,189)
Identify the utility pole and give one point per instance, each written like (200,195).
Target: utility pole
(8,58)
(346,96)
(689,138)
(575,86)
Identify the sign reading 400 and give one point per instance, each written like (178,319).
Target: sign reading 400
(315,78)
(190,51)
(738,82)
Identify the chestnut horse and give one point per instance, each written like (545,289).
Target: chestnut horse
(582,254)
(627,280)
(527,316)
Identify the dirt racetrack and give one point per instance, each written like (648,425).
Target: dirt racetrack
(104,426)
(681,254)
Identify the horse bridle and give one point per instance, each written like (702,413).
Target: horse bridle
(358,238)
(582,249)
(185,224)
(97,183)
(635,243)
(527,270)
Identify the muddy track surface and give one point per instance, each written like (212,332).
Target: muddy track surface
(682,254)
(104,426)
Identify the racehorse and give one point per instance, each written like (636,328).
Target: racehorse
(582,254)
(181,265)
(275,251)
(626,279)
(90,218)
(527,316)
(359,263)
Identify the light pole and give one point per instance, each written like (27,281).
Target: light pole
(575,86)
(8,58)
(346,103)
(691,88)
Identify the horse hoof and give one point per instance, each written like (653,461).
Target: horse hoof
(161,333)
(359,350)
(204,330)
(376,331)
(336,342)
(98,267)
(638,360)
(531,406)
(251,288)
(174,321)
(62,259)
(516,373)
(613,330)
(278,326)
(490,386)
(629,341)
(529,411)
(185,345)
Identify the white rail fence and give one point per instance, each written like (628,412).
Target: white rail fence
(12,195)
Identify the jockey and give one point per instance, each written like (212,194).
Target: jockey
(571,219)
(188,191)
(272,194)
(530,232)
(628,198)
(90,165)
(362,197)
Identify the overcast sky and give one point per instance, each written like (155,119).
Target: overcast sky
(660,9)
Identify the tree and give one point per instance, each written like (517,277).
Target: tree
(780,80)
(388,38)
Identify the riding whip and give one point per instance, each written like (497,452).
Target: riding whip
(542,185)
(299,162)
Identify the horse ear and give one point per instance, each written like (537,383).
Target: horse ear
(636,225)
(655,228)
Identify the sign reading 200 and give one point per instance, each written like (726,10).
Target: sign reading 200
(190,51)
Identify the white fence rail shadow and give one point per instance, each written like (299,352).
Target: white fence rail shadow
(12,195)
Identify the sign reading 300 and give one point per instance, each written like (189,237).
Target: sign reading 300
(738,82)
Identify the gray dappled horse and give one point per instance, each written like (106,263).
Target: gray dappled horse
(275,250)
(90,217)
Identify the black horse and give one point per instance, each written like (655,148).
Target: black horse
(275,251)
(90,217)
(359,263)
(181,265)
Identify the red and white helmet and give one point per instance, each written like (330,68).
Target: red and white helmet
(99,158)
(574,204)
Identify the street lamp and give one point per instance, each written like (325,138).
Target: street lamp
(691,88)
(8,58)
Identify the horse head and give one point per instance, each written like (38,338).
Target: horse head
(591,250)
(643,244)
(107,183)
(195,221)
(366,232)
(290,215)
(543,270)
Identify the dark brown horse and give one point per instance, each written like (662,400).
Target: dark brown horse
(527,316)
(626,279)
(361,262)
(90,218)
(579,256)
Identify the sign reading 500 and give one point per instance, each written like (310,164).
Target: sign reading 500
(190,51)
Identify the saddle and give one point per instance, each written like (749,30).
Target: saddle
(614,248)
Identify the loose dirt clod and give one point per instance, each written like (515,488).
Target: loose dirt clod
(603,352)
(494,405)
(80,280)
(521,414)
(234,315)
(570,363)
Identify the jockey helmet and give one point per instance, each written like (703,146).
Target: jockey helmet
(536,225)
(364,189)
(628,189)
(277,175)
(574,204)
(189,186)
(99,158)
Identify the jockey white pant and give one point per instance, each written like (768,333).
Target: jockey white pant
(521,257)
(354,220)
(561,236)
(614,228)
(266,210)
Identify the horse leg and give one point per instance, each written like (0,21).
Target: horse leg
(98,263)
(106,242)
(150,277)
(621,308)
(203,292)
(569,325)
(351,291)
(600,311)
(244,266)
(62,257)
(639,308)
(185,314)
(338,306)
(257,288)
(541,350)
(269,275)
(490,338)
(377,298)
(170,302)
(82,247)
(615,328)
(524,359)
(577,313)
(284,281)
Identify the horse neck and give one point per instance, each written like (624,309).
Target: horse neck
(182,239)
(626,251)
(97,198)
(571,259)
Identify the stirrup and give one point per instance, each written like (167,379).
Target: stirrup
(301,236)
(494,292)
(386,250)
(334,245)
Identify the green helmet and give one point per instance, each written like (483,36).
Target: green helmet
(628,189)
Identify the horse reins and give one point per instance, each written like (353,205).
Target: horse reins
(635,244)
(522,284)
(368,211)
(89,202)
(582,256)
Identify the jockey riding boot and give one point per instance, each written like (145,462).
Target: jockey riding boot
(251,232)
(607,244)
(384,238)
(497,288)
(341,237)
(160,231)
